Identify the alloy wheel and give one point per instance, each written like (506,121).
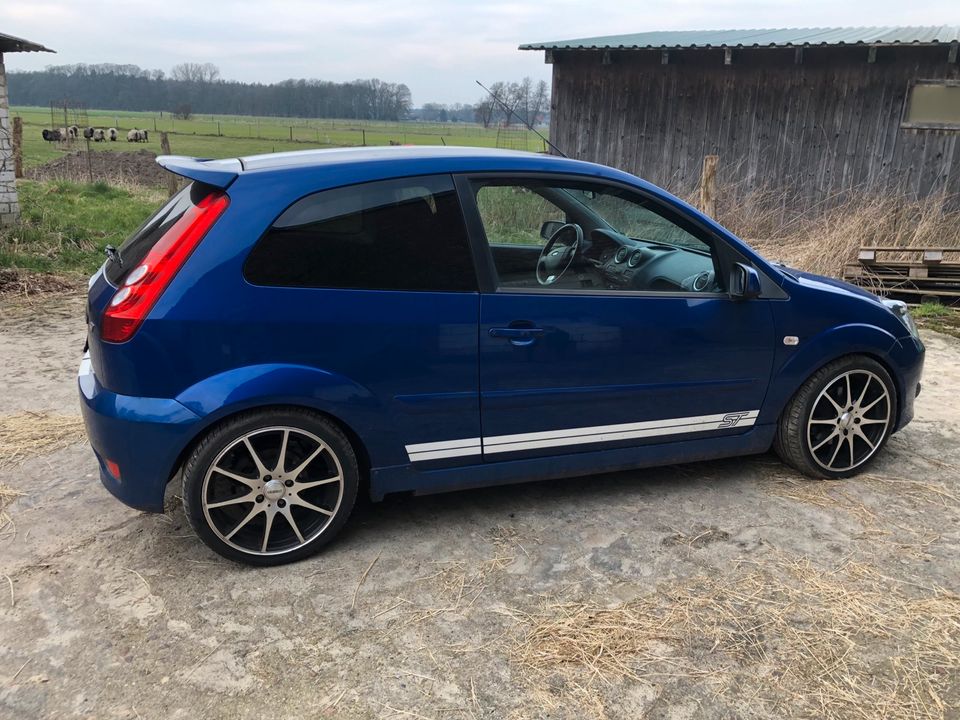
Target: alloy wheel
(272,490)
(849,420)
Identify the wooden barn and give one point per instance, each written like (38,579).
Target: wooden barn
(9,207)
(816,112)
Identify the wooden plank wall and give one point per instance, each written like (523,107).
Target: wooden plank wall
(815,129)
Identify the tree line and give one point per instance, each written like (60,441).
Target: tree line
(198,88)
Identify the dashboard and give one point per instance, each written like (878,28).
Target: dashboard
(628,264)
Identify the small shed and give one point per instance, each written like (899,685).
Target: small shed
(9,205)
(809,113)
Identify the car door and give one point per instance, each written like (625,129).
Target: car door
(608,354)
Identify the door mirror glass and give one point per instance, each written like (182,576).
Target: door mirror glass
(549,228)
(744,282)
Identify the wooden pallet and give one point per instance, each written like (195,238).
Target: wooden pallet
(914,273)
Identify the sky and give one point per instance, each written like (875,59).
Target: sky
(437,48)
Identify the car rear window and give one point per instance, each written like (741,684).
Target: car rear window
(136,247)
(405,234)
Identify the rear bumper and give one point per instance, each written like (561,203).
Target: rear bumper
(143,436)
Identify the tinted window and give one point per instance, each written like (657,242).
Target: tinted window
(403,234)
(136,247)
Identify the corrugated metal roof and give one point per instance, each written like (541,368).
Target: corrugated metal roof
(783,37)
(9,43)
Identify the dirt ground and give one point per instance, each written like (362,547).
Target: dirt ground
(711,590)
(115,167)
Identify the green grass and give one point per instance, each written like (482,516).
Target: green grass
(231,136)
(940,318)
(65,226)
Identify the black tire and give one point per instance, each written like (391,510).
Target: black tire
(263,429)
(793,441)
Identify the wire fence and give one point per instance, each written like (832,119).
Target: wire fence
(327,132)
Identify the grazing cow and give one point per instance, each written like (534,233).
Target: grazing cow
(112,134)
(64,134)
(144,137)
(73,132)
(88,133)
(51,135)
(98,135)
(133,135)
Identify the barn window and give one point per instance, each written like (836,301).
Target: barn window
(933,104)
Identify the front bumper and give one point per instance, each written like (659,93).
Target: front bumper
(143,436)
(908,354)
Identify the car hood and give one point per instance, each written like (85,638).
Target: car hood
(831,284)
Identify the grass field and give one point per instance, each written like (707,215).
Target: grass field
(231,136)
(65,226)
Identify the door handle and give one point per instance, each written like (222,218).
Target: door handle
(518,336)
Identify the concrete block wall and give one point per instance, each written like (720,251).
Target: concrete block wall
(9,206)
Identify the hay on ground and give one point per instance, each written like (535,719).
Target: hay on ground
(34,433)
(839,643)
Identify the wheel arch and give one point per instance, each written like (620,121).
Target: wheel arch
(839,342)
(352,407)
(203,429)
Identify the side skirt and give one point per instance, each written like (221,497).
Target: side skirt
(407,478)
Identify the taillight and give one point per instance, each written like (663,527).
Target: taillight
(144,285)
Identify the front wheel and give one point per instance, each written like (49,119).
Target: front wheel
(839,419)
(270,487)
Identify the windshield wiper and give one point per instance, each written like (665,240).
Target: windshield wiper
(780,265)
(113,255)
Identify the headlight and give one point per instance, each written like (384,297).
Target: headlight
(899,308)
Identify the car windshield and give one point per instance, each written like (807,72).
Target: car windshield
(631,218)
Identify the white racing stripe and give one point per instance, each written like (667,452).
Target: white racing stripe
(580,436)
(444,449)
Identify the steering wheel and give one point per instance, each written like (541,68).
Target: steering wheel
(558,254)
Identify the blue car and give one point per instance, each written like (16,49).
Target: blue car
(293,329)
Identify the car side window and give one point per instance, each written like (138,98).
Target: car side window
(405,234)
(574,235)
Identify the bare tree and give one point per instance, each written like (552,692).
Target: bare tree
(508,101)
(540,102)
(484,109)
(195,72)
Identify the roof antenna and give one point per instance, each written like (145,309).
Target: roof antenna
(525,123)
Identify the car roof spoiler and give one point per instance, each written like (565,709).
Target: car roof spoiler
(219,173)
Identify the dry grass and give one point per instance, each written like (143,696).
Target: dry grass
(869,499)
(823,239)
(14,281)
(783,638)
(7,496)
(34,433)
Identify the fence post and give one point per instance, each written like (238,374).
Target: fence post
(219,134)
(291,133)
(89,163)
(708,185)
(18,147)
(364,134)
(171,178)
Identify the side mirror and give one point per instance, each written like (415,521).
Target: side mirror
(549,228)
(744,282)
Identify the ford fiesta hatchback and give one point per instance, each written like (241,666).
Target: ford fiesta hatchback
(293,329)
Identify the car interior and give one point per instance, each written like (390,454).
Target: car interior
(547,236)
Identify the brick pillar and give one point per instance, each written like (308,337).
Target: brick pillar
(9,206)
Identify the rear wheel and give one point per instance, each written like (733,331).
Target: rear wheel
(839,419)
(270,487)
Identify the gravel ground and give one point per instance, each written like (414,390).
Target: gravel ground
(710,590)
